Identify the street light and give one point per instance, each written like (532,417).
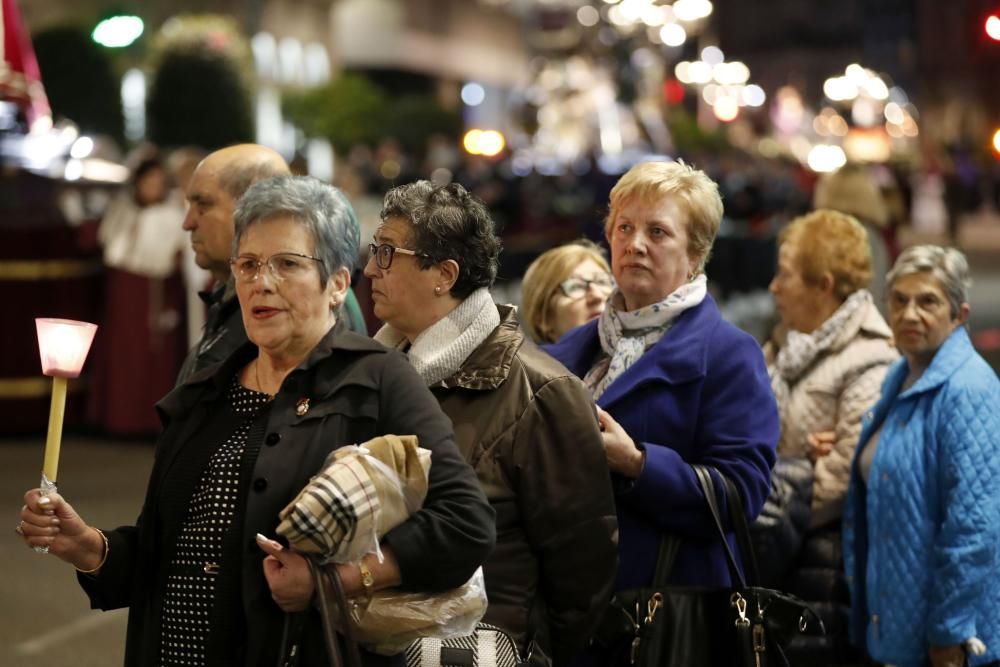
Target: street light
(993,27)
(118,31)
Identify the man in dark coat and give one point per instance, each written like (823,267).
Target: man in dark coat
(216,185)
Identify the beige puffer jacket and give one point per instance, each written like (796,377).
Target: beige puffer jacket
(832,394)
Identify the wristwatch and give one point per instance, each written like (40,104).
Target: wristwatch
(367,580)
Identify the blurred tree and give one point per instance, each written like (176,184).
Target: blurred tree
(412,119)
(348,110)
(80,81)
(201,88)
(689,137)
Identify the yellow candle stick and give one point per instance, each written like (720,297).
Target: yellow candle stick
(56,412)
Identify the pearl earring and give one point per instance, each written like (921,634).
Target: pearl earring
(437,290)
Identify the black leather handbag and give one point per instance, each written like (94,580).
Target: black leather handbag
(741,626)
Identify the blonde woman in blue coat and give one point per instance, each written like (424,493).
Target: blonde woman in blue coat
(921,528)
(674,383)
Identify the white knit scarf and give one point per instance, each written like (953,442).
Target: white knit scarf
(441,349)
(801,349)
(626,335)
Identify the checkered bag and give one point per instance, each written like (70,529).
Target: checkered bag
(488,646)
(361,494)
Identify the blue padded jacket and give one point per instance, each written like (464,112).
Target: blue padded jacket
(922,537)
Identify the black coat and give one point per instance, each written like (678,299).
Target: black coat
(356,390)
(223,334)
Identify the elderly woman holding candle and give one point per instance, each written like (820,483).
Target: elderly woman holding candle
(674,383)
(242,438)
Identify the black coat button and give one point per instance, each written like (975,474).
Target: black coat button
(272,439)
(259,484)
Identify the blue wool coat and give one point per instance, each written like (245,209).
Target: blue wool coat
(699,395)
(921,538)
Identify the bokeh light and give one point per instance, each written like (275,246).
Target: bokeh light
(588,16)
(473,94)
(117,31)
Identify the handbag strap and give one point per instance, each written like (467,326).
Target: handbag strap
(291,635)
(670,544)
(708,490)
(738,520)
(325,580)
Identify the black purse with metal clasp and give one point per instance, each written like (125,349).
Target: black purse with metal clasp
(741,626)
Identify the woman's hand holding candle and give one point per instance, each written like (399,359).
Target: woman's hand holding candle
(50,521)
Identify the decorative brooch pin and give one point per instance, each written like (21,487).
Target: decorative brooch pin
(302,407)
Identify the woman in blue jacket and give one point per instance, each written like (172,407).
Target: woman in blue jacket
(674,383)
(921,529)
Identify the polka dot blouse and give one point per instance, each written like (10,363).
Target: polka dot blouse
(191,578)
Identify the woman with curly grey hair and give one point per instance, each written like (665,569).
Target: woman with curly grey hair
(921,537)
(526,425)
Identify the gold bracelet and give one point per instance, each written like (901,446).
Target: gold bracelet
(104,556)
(367,580)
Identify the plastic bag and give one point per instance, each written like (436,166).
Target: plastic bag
(362,492)
(392,619)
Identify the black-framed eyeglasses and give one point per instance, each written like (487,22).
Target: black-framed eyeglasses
(383,254)
(576,288)
(282,265)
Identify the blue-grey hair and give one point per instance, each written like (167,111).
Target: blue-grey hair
(948,265)
(321,208)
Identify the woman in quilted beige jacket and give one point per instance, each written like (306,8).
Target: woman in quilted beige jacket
(826,371)
(836,349)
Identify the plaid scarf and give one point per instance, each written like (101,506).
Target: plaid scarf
(626,335)
(800,349)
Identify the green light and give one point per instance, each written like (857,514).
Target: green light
(117,31)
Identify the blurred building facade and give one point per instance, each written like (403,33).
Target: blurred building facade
(936,51)
(447,38)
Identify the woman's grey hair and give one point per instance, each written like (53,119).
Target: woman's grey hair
(948,265)
(448,223)
(321,208)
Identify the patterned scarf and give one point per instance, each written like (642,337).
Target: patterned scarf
(801,349)
(441,349)
(626,335)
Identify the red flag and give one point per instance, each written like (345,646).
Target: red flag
(20,79)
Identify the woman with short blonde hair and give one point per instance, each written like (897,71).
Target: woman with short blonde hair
(552,301)
(695,193)
(674,384)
